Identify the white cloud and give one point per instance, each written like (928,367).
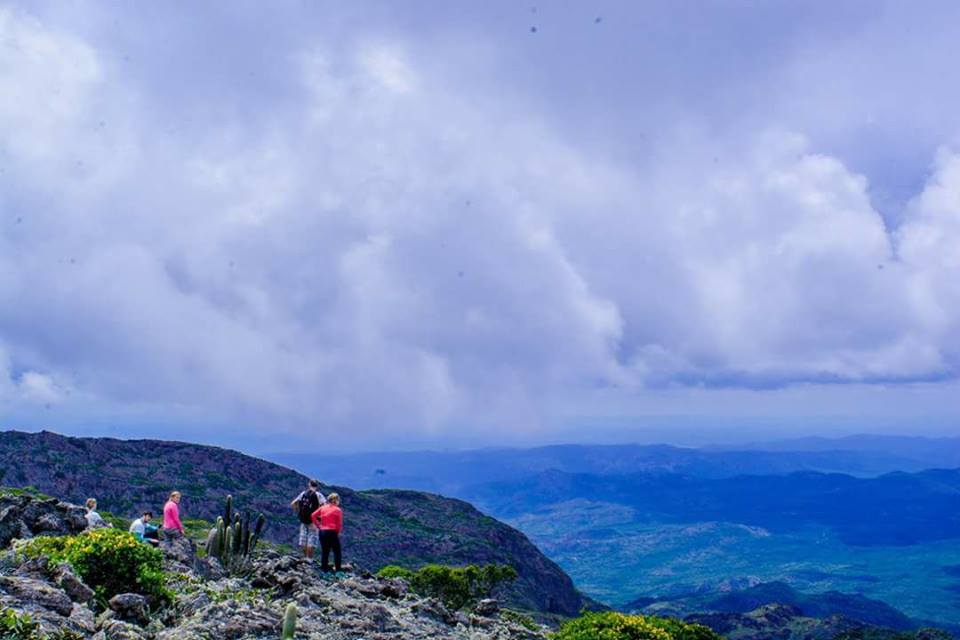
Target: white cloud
(386,247)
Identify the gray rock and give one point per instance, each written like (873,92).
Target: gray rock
(119,630)
(24,516)
(34,593)
(130,607)
(72,585)
(488,607)
(179,555)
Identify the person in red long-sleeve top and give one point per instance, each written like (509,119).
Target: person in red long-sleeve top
(329,519)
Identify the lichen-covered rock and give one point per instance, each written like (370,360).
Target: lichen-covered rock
(180,555)
(72,585)
(25,516)
(113,629)
(130,607)
(35,594)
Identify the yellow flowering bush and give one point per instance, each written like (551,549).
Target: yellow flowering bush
(110,561)
(610,625)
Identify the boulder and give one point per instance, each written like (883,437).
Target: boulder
(179,555)
(130,607)
(25,516)
(487,607)
(31,593)
(72,585)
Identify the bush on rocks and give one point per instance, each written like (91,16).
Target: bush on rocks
(456,587)
(610,625)
(108,560)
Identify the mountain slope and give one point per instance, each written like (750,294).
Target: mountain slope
(893,509)
(381,527)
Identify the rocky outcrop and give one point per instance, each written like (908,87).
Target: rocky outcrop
(23,515)
(408,528)
(353,607)
(357,606)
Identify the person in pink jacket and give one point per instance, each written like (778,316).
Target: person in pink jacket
(172,527)
(329,519)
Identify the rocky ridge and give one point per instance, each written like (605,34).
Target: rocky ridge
(251,607)
(407,528)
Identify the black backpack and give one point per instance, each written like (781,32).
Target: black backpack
(309,502)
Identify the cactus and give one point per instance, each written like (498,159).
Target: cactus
(289,622)
(228,510)
(231,541)
(257,530)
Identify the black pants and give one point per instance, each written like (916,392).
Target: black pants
(329,539)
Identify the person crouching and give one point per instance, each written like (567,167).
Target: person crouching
(329,519)
(144,531)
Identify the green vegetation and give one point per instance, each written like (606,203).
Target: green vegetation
(17,627)
(115,521)
(519,618)
(610,625)
(108,560)
(31,491)
(456,587)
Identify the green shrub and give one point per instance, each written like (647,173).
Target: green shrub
(109,561)
(519,618)
(610,625)
(393,571)
(17,627)
(456,587)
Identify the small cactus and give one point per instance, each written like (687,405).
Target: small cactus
(289,622)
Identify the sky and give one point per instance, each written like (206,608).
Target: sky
(369,225)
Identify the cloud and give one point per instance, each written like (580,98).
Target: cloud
(379,245)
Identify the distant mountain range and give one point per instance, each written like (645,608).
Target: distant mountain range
(382,527)
(926,452)
(451,472)
(893,509)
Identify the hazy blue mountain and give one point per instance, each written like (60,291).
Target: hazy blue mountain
(449,473)
(926,452)
(893,509)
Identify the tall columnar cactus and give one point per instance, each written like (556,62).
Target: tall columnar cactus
(231,541)
(289,622)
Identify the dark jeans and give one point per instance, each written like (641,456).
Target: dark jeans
(329,539)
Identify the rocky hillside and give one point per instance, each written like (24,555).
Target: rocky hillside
(784,622)
(51,601)
(381,527)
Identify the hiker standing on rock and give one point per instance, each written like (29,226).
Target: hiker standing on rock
(304,505)
(329,519)
(94,519)
(172,528)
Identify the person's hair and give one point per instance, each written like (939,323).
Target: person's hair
(314,484)
(334,497)
(174,494)
(147,513)
(91,503)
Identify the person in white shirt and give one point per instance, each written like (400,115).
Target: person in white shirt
(143,530)
(94,520)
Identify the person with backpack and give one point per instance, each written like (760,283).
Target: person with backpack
(329,519)
(304,505)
